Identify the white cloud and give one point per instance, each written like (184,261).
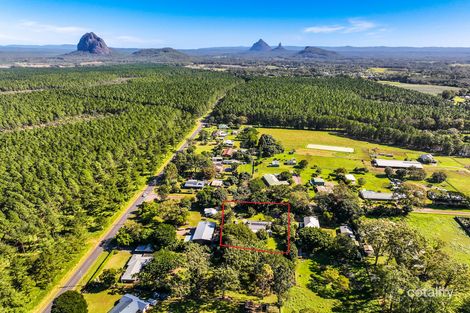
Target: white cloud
(41,28)
(354,25)
(323,29)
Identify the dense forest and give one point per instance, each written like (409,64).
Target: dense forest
(362,109)
(72,154)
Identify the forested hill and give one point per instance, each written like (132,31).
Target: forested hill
(361,108)
(72,154)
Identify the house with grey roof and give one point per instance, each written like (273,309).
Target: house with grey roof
(377,196)
(311,221)
(317,181)
(256,226)
(148,248)
(346,230)
(130,304)
(192,183)
(134,266)
(427,159)
(272,180)
(204,232)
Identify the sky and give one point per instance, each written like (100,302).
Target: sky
(206,23)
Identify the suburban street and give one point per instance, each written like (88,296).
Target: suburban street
(112,231)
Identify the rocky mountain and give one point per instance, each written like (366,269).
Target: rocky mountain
(314,52)
(279,48)
(93,44)
(164,55)
(260,46)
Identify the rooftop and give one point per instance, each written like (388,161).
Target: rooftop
(130,304)
(271,180)
(134,266)
(311,221)
(204,231)
(373,195)
(396,163)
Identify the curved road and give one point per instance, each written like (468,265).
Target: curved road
(106,238)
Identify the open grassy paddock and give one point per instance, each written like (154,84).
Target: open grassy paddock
(429,89)
(446,229)
(455,168)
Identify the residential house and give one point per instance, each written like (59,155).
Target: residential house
(217,183)
(134,266)
(274,163)
(209,212)
(346,230)
(427,159)
(228,152)
(311,221)
(272,180)
(376,196)
(395,163)
(350,178)
(228,143)
(292,161)
(204,232)
(256,226)
(223,126)
(317,181)
(130,304)
(192,183)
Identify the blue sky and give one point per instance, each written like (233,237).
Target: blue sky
(194,24)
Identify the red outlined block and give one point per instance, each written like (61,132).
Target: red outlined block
(286,204)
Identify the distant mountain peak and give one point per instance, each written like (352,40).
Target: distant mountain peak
(279,48)
(314,52)
(260,46)
(91,43)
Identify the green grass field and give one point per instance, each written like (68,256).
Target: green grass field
(102,302)
(446,229)
(301,297)
(297,140)
(429,89)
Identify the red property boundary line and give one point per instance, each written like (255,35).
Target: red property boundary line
(256,249)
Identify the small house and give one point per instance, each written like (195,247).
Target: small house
(317,181)
(274,163)
(223,126)
(292,161)
(192,183)
(209,212)
(217,183)
(228,152)
(217,159)
(426,159)
(350,178)
(228,143)
(376,196)
(130,304)
(134,266)
(256,226)
(204,232)
(311,221)
(346,230)
(272,180)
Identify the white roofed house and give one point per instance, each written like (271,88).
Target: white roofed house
(377,196)
(209,212)
(426,159)
(256,226)
(130,304)
(311,221)
(192,183)
(228,143)
(217,183)
(272,180)
(396,163)
(350,178)
(134,266)
(204,232)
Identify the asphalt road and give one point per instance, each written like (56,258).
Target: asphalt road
(77,276)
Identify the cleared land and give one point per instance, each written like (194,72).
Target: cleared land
(454,167)
(445,229)
(429,89)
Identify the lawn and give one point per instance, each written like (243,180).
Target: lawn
(102,302)
(301,297)
(429,89)
(446,229)
(194,218)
